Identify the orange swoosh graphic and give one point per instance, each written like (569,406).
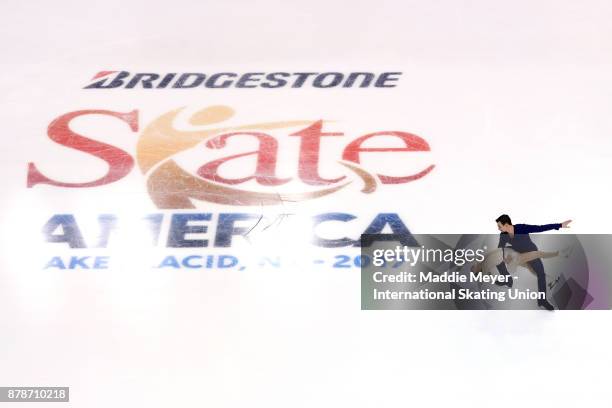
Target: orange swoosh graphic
(160,140)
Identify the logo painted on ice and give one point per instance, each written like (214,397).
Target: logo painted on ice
(172,187)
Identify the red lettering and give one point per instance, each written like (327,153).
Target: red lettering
(120,163)
(308,165)
(265,171)
(412,142)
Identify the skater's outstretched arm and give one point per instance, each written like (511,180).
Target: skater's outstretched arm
(528,229)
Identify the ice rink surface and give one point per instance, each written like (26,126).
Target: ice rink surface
(513,99)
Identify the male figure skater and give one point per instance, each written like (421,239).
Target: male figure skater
(518,237)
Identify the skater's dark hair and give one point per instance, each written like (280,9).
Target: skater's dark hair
(504,219)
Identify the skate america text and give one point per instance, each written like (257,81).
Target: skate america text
(196,230)
(186,230)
